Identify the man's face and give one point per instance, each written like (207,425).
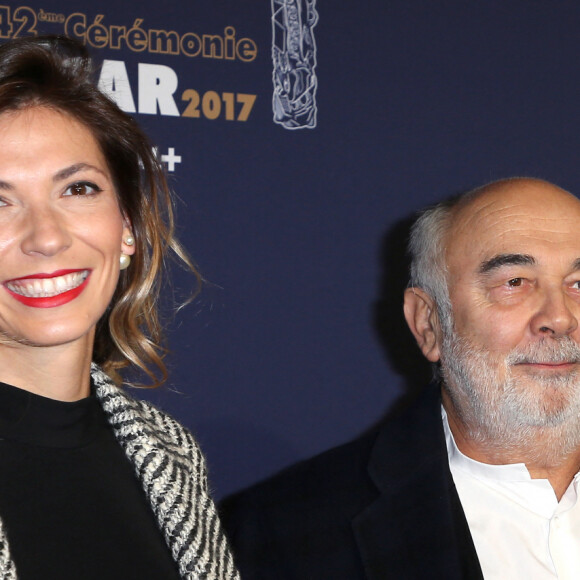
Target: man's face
(510,357)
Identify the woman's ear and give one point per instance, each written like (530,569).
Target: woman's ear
(421,315)
(128,239)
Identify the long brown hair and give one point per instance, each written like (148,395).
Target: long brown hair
(57,72)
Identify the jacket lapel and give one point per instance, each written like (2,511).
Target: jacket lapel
(416,527)
(171,469)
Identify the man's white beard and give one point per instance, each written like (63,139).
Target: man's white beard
(534,415)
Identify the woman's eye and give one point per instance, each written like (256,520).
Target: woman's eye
(515,282)
(82,188)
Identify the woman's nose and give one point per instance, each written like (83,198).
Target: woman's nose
(45,233)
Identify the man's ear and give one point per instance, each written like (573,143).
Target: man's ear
(421,316)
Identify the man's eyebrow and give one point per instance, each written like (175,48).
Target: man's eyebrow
(70,171)
(507,260)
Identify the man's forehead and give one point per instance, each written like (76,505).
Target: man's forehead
(525,202)
(534,219)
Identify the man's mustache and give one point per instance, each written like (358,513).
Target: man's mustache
(547,350)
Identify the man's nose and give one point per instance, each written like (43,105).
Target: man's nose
(557,315)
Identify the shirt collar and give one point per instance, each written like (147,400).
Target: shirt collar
(513,479)
(457,460)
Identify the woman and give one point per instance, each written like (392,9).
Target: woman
(93,484)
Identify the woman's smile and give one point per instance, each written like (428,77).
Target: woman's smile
(48,290)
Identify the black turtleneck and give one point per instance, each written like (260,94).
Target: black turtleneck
(71,505)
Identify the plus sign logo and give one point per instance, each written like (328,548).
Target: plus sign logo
(171,158)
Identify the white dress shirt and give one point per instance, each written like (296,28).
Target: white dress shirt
(519,528)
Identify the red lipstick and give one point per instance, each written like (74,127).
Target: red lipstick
(42,275)
(49,301)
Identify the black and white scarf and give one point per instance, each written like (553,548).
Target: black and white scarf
(171,468)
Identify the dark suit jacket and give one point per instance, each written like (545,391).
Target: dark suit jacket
(381,507)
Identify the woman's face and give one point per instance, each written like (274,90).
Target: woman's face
(61,230)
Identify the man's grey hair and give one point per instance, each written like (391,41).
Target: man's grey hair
(427,247)
(428,269)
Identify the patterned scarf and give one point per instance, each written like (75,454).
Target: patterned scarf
(171,469)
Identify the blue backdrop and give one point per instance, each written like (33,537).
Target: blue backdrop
(300,137)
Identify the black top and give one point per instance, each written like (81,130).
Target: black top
(70,502)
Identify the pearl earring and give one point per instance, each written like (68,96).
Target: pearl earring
(129,240)
(124,261)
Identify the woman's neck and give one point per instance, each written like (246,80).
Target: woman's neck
(59,372)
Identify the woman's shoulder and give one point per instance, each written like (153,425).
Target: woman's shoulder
(140,421)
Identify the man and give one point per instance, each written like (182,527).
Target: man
(479,477)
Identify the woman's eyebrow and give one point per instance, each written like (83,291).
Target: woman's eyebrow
(72,169)
(59,175)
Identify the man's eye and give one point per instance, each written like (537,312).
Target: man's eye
(83,188)
(514,282)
